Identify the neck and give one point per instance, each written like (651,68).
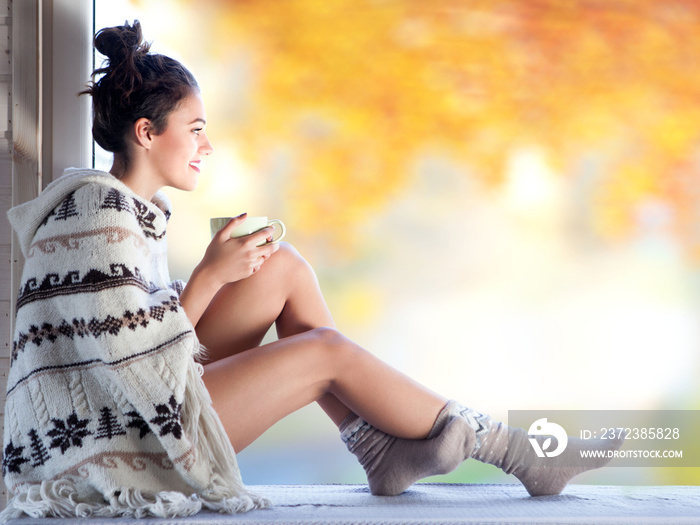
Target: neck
(131,176)
(119,166)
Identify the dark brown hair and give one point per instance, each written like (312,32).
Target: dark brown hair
(134,84)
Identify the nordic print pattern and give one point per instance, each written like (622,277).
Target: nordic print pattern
(115,200)
(75,241)
(67,209)
(91,281)
(12,459)
(79,327)
(99,249)
(136,461)
(169,418)
(73,432)
(120,202)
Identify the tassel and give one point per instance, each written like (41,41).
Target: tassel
(59,499)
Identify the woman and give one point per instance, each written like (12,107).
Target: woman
(110,395)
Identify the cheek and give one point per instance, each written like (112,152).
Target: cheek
(185,145)
(174,149)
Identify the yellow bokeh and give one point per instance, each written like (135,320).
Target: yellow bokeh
(325,111)
(356,88)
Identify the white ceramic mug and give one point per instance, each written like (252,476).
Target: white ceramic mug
(248,226)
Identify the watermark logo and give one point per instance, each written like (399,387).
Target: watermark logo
(542,427)
(652,438)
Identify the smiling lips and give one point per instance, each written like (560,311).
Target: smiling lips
(195,165)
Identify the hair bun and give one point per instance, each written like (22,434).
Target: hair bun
(120,42)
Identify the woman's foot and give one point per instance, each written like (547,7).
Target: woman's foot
(510,450)
(392,464)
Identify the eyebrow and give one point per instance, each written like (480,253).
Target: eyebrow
(198,119)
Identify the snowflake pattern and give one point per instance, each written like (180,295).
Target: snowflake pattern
(12,459)
(68,433)
(146,220)
(72,432)
(169,418)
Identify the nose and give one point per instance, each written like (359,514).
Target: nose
(205,147)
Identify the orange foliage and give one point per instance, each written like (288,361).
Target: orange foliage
(358,88)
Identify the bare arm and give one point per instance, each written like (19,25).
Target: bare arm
(198,293)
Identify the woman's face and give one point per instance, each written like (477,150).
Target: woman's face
(176,153)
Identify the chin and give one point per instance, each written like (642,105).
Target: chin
(188,185)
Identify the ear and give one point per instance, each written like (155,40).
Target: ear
(142,130)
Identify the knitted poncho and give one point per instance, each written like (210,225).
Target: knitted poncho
(106,411)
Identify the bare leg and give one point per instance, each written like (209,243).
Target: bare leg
(254,389)
(285,291)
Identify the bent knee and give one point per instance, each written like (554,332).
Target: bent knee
(333,347)
(288,258)
(328,337)
(287,252)
(338,355)
(292,266)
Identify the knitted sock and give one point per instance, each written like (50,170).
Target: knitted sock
(393,464)
(509,449)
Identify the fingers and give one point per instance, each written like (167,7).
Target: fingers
(263,236)
(265,252)
(225,232)
(256,238)
(268,250)
(248,253)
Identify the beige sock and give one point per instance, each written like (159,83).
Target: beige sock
(393,464)
(510,449)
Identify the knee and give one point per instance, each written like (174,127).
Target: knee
(329,338)
(335,349)
(330,344)
(289,262)
(287,254)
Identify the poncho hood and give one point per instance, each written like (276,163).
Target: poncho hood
(26,218)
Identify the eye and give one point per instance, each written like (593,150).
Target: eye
(197,131)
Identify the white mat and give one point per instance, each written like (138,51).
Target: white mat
(433,503)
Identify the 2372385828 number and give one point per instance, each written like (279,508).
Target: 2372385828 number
(640,433)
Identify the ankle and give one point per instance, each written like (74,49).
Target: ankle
(345,423)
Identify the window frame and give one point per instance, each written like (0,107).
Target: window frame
(49,127)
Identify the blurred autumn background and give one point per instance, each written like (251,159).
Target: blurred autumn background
(500,197)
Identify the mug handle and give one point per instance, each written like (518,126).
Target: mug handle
(282,228)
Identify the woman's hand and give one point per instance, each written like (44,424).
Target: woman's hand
(230,259)
(226,260)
